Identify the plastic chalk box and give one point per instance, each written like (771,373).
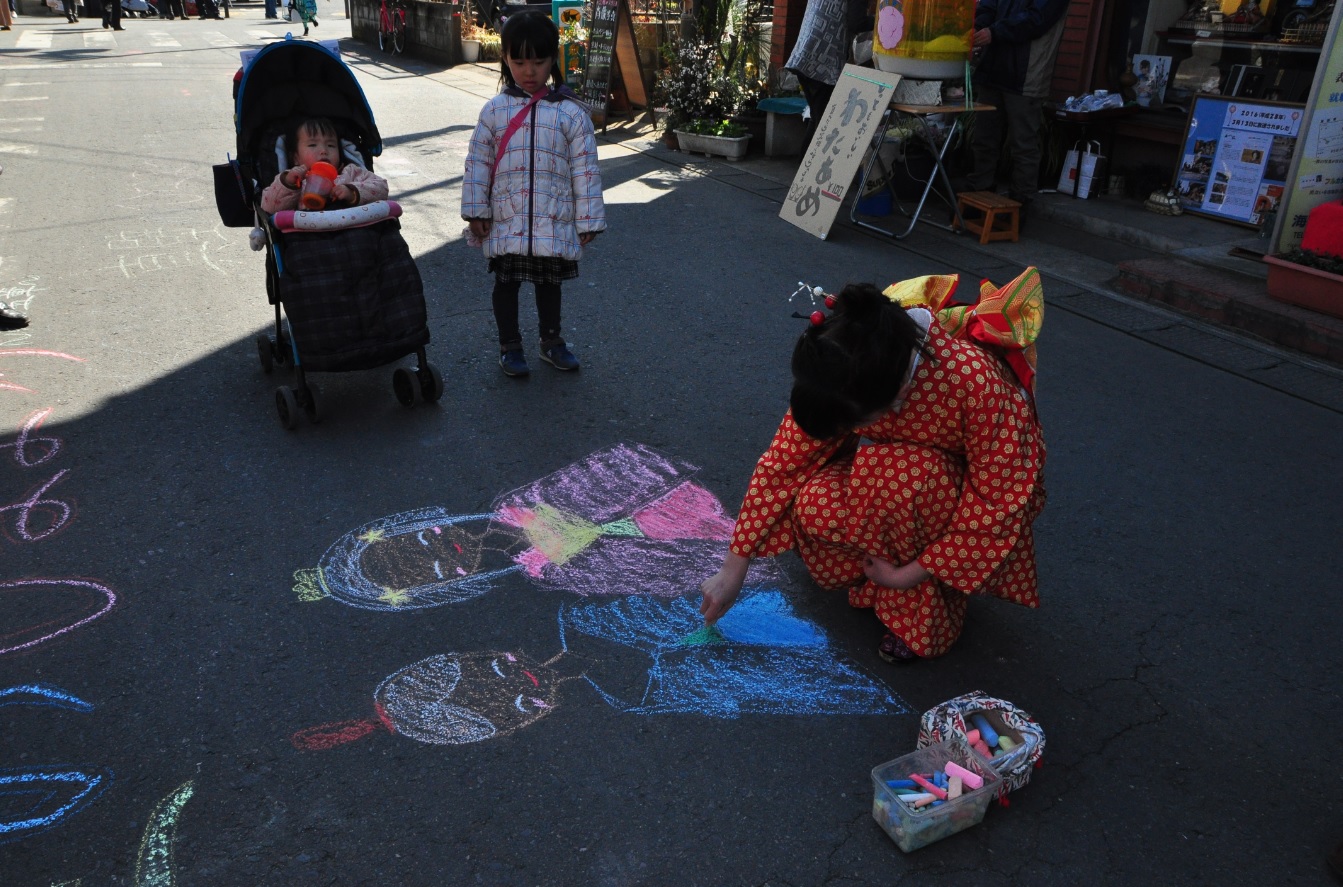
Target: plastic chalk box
(911,827)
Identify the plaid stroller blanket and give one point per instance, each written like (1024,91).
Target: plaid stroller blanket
(354,298)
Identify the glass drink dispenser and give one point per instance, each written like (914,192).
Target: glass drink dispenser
(924,39)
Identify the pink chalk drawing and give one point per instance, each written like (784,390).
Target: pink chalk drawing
(49,446)
(31,352)
(890,25)
(37,610)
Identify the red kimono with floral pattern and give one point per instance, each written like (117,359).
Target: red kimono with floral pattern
(952,478)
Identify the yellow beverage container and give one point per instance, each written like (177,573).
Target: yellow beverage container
(924,39)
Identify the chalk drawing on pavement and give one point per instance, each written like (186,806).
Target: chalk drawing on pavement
(625,520)
(450,699)
(43,796)
(40,694)
(6,385)
(154,863)
(34,611)
(422,558)
(30,450)
(760,658)
(626,524)
(137,253)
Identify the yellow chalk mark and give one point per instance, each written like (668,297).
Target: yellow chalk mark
(371,536)
(310,585)
(394,596)
(557,535)
(154,865)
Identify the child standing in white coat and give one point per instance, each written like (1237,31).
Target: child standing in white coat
(532,193)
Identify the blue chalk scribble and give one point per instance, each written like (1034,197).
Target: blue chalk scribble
(48,794)
(40,694)
(763,659)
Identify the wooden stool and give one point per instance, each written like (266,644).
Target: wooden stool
(1000,219)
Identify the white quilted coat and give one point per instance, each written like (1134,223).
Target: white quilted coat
(547,189)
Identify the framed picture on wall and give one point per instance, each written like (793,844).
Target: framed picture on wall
(1153,72)
(1233,164)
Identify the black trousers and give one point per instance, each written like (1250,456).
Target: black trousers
(505,299)
(112,13)
(172,8)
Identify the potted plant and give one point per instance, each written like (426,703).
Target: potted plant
(491,47)
(724,138)
(700,96)
(471,33)
(1309,279)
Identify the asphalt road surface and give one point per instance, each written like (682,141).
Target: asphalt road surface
(203,684)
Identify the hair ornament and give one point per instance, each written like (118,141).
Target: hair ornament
(814,293)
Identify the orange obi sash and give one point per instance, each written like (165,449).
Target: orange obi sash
(1007,319)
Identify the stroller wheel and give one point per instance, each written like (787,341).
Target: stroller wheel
(287,406)
(403,383)
(312,403)
(431,383)
(264,351)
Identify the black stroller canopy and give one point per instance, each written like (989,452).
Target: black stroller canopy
(299,78)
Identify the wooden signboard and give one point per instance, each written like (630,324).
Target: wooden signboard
(612,51)
(836,151)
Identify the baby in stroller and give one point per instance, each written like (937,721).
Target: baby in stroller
(351,294)
(315,141)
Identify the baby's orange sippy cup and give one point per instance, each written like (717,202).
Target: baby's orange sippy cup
(317,186)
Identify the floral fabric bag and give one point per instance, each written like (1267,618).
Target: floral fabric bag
(955,718)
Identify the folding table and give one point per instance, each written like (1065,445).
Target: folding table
(918,116)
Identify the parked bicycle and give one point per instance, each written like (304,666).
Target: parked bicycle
(392,26)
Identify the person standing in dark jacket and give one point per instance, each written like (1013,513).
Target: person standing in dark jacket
(1016,41)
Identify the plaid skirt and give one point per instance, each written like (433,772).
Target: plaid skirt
(536,269)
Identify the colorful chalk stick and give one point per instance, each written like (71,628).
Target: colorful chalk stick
(970,779)
(928,786)
(954,791)
(972,737)
(986,731)
(1006,743)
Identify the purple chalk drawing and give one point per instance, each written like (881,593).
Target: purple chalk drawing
(64,605)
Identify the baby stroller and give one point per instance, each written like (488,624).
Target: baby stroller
(352,296)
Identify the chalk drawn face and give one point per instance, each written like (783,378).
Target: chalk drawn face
(456,698)
(416,559)
(434,554)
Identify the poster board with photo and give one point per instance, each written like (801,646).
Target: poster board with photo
(1235,157)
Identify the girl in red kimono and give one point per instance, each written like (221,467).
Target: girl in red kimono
(908,469)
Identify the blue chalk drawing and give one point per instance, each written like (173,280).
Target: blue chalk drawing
(40,694)
(50,793)
(762,659)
